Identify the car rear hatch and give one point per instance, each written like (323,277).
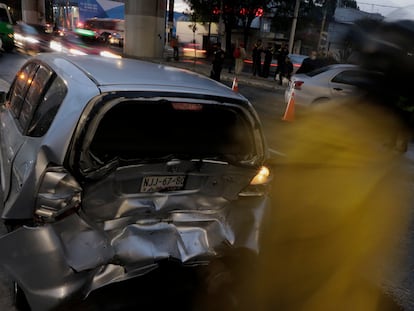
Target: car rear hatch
(186,170)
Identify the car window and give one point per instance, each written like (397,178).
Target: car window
(19,88)
(47,109)
(350,77)
(40,80)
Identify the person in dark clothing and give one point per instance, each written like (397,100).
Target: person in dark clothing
(329,59)
(218,61)
(309,63)
(286,70)
(174,45)
(267,60)
(257,58)
(281,57)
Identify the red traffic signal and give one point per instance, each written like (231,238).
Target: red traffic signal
(259,12)
(216,11)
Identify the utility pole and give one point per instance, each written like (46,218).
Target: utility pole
(293,30)
(220,25)
(170,19)
(321,34)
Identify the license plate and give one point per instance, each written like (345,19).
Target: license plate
(162,183)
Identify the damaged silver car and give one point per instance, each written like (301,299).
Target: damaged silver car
(110,167)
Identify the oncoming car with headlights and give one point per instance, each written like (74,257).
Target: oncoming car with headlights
(81,42)
(122,165)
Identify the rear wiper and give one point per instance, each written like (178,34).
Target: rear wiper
(161,159)
(106,168)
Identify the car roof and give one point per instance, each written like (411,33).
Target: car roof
(111,74)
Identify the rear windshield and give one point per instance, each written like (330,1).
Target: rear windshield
(153,130)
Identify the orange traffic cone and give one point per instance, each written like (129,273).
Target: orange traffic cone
(290,109)
(235,86)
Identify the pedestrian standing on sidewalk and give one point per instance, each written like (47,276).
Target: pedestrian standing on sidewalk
(257,58)
(217,65)
(309,63)
(289,68)
(240,56)
(281,58)
(174,45)
(267,60)
(286,70)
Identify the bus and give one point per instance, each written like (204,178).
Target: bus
(109,30)
(6,28)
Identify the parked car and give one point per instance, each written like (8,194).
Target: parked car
(329,82)
(111,169)
(82,42)
(31,38)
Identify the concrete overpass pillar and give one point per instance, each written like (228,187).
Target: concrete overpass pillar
(33,11)
(144,28)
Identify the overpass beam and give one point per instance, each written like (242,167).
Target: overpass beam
(33,12)
(145,28)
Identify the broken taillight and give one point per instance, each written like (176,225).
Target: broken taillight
(59,195)
(258,184)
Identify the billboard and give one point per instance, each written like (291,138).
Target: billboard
(101,9)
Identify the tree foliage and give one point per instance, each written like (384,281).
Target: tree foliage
(234,13)
(313,15)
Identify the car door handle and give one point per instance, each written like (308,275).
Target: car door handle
(337,89)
